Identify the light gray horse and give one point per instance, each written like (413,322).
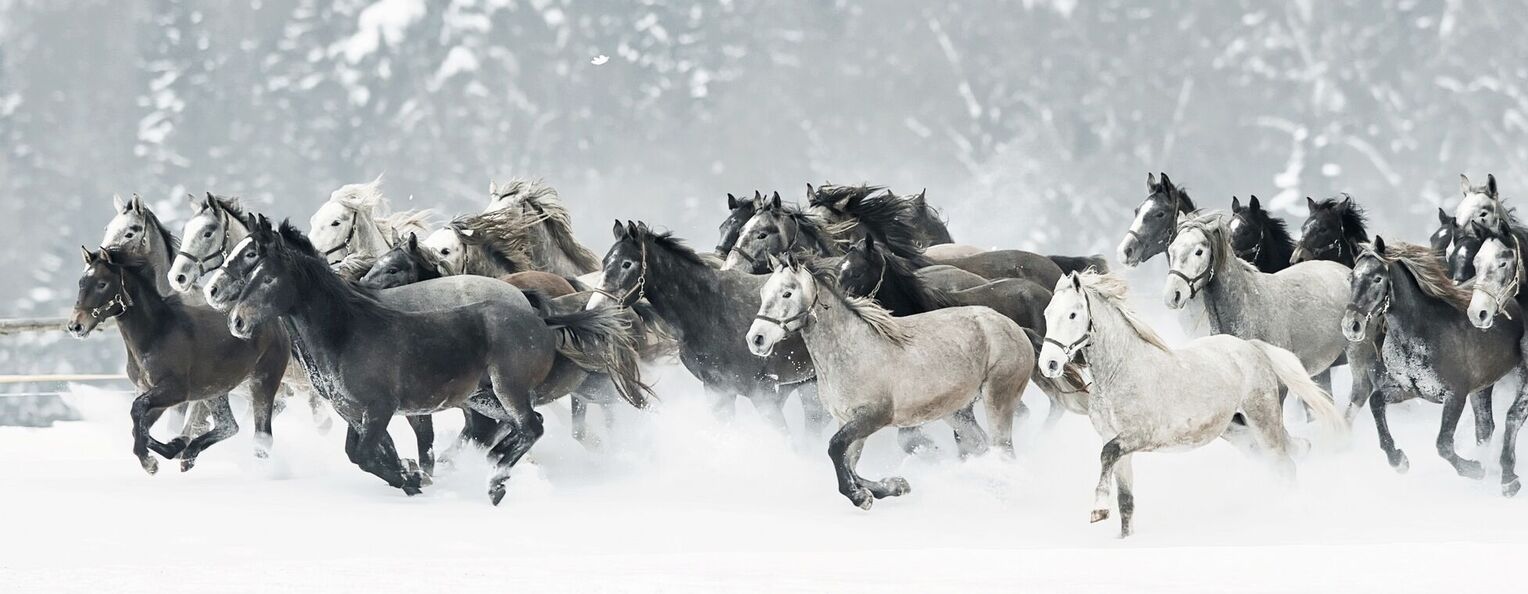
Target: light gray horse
(1147,396)
(943,361)
(355,226)
(1299,308)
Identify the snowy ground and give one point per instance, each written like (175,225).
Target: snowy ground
(678,501)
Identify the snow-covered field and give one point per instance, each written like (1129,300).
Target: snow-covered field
(679,501)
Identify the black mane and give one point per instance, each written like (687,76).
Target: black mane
(888,219)
(827,195)
(1277,245)
(1184,202)
(312,273)
(1354,221)
(899,288)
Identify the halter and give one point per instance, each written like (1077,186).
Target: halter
(784,323)
(121,300)
(355,217)
(1257,248)
(1194,283)
(1068,351)
(640,287)
(1510,290)
(1384,305)
(220,254)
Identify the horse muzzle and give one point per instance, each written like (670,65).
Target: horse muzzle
(762,338)
(1176,293)
(1355,326)
(1129,251)
(1482,311)
(80,325)
(240,326)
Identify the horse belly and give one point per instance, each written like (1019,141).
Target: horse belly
(1410,362)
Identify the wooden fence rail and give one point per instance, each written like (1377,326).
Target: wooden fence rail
(24,325)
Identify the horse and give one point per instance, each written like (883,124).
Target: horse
(407,263)
(354,227)
(894,282)
(1480,213)
(1156,221)
(135,231)
(1432,348)
(709,308)
(1259,238)
(550,240)
(422,348)
(775,229)
(944,361)
(739,211)
(1297,308)
(217,224)
(1147,396)
(1499,283)
(1443,237)
(178,352)
(837,204)
(1334,231)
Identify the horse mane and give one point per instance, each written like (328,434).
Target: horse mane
(820,238)
(311,270)
(1184,202)
(1355,221)
(555,218)
(829,194)
(1278,244)
(151,221)
(361,197)
(885,216)
(1427,270)
(903,272)
(409,221)
(1115,291)
(499,237)
(866,309)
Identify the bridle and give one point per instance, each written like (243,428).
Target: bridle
(1257,248)
(218,256)
(1199,281)
(640,287)
(789,246)
(1069,350)
(355,217)
(121,300)
(784,323)
(1510,290)
(1384,304)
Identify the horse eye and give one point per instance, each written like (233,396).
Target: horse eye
(129,235)
(270,279)
(207,234)
(626,264)
(249,255)
(1072,316)
(762,235)
(334,224)
(445,251)
(392,271)
(101,285)
(787,295)
(1160,214)
(1199,252)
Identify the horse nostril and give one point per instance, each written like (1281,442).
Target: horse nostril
(1177,295)
(180,278)
(758,340)
(1051,366)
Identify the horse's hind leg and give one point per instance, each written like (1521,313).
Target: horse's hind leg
(771,406)
(1485,424)
(1265,418)
(376,452)
(424,440)
(970,439)
(846,441)
(1397,457)
(196,419)
(812,410)
(224,426)
(1122,445)
(515,436)
(1002,394)
(913,440)
(1515,416)
(1453,408)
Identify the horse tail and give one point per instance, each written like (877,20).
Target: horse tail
(1070,391)
(1070,264)
(1294,376)
(600,340)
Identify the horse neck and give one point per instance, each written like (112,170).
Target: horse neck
(1232,283)
(142,323)
(1115,347)
(1408,304)
(235,231)
(369,239)
(831,326)
(158,257)
(680,290)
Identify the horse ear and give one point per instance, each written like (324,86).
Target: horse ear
(809,191)
(467,232)
(104,256)
(774,201)
(1464,184)
(1076,281)
(1347,202)
(1444,218)
(1236,204)
(1151,181)
(493,189)
(619,230)
(118,203)
(732,203)
(631,228)
(1491,185)
(1252,203)
(376,182)
(413,241)
(1310,204)
(1166,183)
(772,261)
(89,255)
(137,203)
(1379,244)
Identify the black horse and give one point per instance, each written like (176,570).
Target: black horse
(711,310)
(1336,231)
(177,352)
(739,210)
(1260,238)
(1156,221)
(838,204)
(1431,349)
(374,355)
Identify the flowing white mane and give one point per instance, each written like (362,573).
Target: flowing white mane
(1114,291)
(365,197)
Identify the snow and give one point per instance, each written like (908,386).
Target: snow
(681,501)
(384,20)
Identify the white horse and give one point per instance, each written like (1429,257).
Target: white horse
(355,226)
(939,363)
(1481,204)
(1147,396)
(1299,308)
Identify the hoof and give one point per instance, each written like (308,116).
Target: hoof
(1125,532)
(187,463)
(415,474)
(1098,515)
(175,447)
(262,446)
(150,465)
(496,494)
(1471,470)
(1399,462)
(1510,489)
(861,498)
(896,486)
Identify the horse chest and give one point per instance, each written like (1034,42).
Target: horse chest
(1410,362)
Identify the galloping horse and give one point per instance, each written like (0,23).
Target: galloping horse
(354,227)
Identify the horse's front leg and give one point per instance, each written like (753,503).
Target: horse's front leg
(970,439)
(770,402)
(1515,416)
(843,452)
(146,409)
(374,451)
(424,440)
(1122,445)
(1485,423)
(814,413)
(913,440)
(1398,461)
(1453,408)
(1124,478)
